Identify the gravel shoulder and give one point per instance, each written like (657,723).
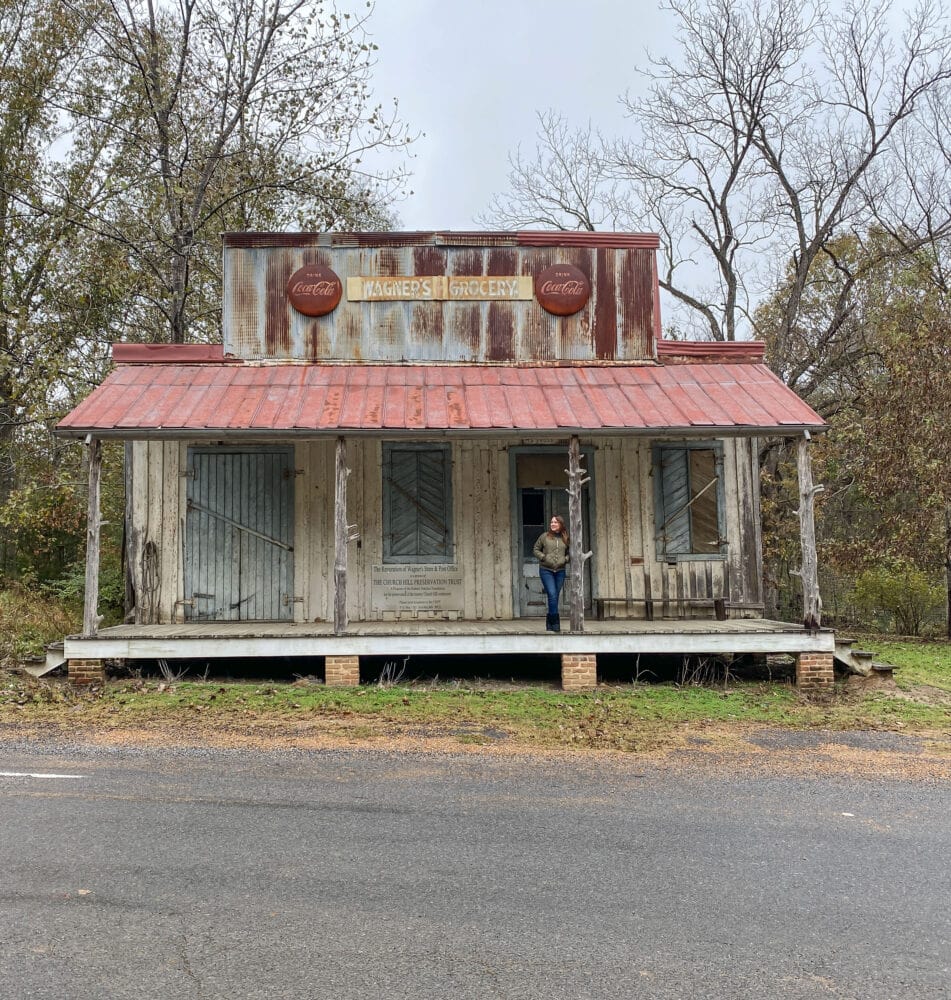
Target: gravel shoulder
(721,749)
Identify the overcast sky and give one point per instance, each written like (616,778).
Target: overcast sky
(471,74)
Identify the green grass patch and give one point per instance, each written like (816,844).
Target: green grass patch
(927,663)
(621,717)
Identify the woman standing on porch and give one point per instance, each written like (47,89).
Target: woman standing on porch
(551,551)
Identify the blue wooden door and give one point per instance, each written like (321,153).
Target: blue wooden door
(239,554)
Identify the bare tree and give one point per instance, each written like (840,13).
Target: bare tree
(776,127)
(565,185)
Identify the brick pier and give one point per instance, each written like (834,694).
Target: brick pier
(814,672)
(579,671)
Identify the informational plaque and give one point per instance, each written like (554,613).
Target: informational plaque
(417,587)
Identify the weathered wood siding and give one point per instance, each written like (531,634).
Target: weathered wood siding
(481,529)
(625,523)
(155,548)
(624,565)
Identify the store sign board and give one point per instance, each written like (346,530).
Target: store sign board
(439,288)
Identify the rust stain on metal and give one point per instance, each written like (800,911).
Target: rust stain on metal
(426,324)
(636,291)
(500,344)
(467,261)
(500,324)
(502,261)
(464,334)
(318,341)
(277,336)
(605,316)
(388,261)
(387,326)
(429,260)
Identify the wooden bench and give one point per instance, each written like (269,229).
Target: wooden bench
(718,604)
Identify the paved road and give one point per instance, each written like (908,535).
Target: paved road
(341,875)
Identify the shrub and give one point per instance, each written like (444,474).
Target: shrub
(903,594)
(29,619)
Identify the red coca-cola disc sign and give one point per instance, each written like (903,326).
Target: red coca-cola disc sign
(314,290)
(562,289)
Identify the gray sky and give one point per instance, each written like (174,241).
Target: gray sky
(471,74)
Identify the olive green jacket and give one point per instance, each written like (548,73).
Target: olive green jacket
(551,551)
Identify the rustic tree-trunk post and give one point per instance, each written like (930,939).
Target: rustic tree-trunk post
(91,616)
(811,601)
(947,560)
(340,539)
(577,556)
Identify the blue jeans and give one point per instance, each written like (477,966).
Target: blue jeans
(552,580)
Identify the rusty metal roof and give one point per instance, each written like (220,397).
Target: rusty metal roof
(447,238)
(189,398)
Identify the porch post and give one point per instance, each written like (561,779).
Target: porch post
(91,616)
(578,557)
(811,601)
(340,538)
(90,671)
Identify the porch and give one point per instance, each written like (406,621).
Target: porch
(222,640)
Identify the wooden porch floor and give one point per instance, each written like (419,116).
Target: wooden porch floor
(372,638)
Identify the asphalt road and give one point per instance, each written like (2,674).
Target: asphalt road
(342,875)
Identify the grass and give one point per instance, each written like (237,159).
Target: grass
(627,717)
(922,663)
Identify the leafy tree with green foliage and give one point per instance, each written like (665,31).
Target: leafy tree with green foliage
(229,115)
(132,134)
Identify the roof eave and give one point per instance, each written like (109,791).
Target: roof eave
(428,433)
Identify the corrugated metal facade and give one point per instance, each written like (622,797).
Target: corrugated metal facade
(618,323)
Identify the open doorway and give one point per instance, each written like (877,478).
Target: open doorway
(541,485)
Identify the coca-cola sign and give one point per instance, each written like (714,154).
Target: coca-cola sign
(314,290)
(562,289)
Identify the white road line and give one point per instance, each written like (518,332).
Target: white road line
(24,774)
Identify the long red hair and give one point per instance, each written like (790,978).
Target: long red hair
(564,527)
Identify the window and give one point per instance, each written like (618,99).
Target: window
(688,495)
(417,503)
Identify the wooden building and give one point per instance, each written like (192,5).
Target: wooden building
(364,463)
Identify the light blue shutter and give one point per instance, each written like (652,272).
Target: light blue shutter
(674,531)
(239,535)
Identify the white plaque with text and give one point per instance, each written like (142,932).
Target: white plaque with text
(417,587)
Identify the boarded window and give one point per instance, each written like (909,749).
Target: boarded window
(417,503)
(689,499)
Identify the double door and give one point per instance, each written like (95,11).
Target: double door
(239,553)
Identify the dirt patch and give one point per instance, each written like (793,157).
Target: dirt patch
(716,749)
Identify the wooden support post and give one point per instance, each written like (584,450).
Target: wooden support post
(811,601)
(340,538)
(577,556)
(91,616)
(947,561)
